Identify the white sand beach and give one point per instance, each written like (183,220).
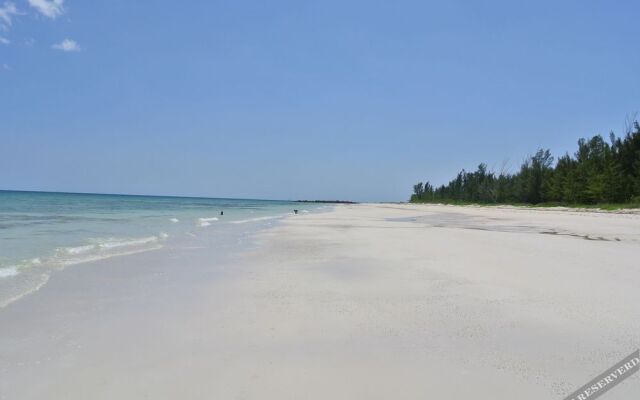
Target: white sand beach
(367,301)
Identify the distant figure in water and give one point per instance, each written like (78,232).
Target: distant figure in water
(295,211)
(221,212)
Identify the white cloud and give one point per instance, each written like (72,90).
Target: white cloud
(67,45)
(49,8)
(4,40)
(7,11)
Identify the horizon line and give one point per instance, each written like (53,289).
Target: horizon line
(171,196)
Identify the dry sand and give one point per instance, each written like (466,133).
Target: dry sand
(363,302)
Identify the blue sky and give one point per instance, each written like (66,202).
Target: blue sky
(294,99)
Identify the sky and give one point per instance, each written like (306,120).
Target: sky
(352,100)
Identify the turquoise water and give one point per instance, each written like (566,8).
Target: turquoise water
(42,232)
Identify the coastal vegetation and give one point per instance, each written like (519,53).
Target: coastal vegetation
(600,172)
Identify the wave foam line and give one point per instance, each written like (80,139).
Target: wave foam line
(244,221)
(206,221)
(66,256)
(44,278)
(117,243)
(8,272)
(102,256)
(13,270)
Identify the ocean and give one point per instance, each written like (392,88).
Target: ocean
(42,232)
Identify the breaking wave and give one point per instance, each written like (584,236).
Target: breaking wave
(8,272)
(30,275)
(206,221)
(244,221)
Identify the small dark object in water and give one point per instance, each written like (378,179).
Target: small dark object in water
(295,211)
(221,212)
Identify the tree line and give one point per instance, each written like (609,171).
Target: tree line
(598,172)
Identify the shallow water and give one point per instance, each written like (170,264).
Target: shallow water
(42,232)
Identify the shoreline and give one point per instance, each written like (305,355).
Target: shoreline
(45,232)
(363,301)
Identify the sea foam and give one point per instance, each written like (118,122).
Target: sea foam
(117,243)
(14,270)
(8,272)
(104,248)
(206,221)
(244,221)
